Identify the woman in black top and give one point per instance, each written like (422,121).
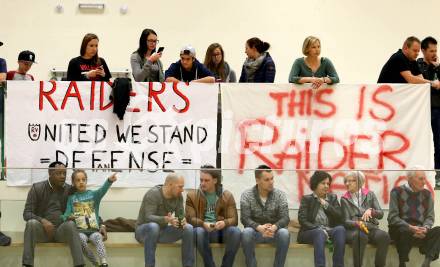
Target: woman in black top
(88,66)
(320,216)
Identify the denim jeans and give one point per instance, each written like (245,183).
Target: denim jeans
(250,236)
(317,238)
(150,234)
(230,236)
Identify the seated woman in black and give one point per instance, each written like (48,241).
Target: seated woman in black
(320,216)
(88,66)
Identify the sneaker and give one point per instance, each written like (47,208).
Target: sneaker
(103,265)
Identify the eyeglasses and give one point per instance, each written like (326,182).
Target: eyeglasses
(217,55)
(153,41)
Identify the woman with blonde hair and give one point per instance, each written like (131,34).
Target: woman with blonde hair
(312,68)
(362,213)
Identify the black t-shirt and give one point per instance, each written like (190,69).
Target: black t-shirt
(397,63)
(78,66)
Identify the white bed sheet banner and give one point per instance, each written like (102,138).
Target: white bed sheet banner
(74,123)
(287,126)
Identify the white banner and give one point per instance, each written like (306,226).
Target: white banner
(166,126)
(384,127)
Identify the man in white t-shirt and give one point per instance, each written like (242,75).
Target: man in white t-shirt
(25,60)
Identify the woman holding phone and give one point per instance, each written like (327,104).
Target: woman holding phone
(145,61)
(89,66)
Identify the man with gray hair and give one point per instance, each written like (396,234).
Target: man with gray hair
(411,219)
(161,220)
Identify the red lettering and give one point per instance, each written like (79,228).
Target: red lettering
(278,97)
(92,95)
(101,97)
(390,154)
(47,95)
(70,94)
(254,145)
(303,181)
(286,155)
(154,95)
(383,89)
(133,94)
(319,99)
(352,154)
(335,186)
(301,103)
(361,103)
(332,140)
(184,98)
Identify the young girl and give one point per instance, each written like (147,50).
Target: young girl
(83,208)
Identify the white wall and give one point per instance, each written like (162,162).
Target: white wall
(358,36)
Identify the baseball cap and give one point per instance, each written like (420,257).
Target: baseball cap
(188,50)
(27,56)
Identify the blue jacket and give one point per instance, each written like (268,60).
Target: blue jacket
(197,71)
(265,74)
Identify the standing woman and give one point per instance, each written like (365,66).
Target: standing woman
(320,216)
(215,62)
(89,66)
(362,213)
(312,68)
(258,66)
(145,61)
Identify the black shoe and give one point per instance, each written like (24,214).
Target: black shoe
(103,265)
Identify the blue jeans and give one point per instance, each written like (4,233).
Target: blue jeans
(317,238)
(249,237)
(150,234)
(231,237)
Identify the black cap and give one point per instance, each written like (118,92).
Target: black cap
(27,56)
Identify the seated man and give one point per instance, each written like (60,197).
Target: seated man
(411,217)
(3,69)
(188,69)
(265,216)
(25,60)
(212,211)
(45,203)
(161,220)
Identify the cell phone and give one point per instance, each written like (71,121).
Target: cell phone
(160,49)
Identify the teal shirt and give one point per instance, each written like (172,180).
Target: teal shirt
(300,69)
(85,207)
(211,199)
